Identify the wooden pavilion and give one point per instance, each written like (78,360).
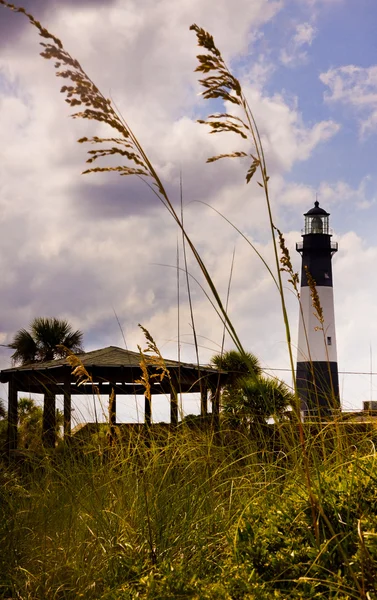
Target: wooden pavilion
(114,372)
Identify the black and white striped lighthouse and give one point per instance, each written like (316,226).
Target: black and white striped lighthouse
(317,366)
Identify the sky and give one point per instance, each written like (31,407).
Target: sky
(101,251)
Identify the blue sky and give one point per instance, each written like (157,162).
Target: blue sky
(344,35)
(80,247)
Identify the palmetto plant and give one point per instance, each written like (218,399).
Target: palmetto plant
(30,420)
(249,397)
(3,411)
(237,365)
(44,339)
(256,400)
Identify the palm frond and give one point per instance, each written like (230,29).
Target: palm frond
(25,347)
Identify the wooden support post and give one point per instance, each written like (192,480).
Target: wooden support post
(204,400)
(216,408)
(12,415)
(112,413)
(174,387)
(147,410)
(112,406)
(67,405)
(174,408)
(49,420)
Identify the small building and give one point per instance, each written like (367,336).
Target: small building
(111,371)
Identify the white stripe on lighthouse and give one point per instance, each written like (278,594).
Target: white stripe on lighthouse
(322,344)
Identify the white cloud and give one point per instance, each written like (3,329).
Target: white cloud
(305,34)
(355,87)
(330,194)
(286,137)
(341,192)
(294,55)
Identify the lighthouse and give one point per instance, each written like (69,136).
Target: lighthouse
(317,366)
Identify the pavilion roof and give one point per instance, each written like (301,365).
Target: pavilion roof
(109,357)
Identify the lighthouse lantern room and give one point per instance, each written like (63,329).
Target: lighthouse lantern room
(317,366)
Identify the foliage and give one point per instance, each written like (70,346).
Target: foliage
(3,412)
(256,400)
(44,340)
(30,420)
(275,544)
(186,516)
(248,397)
(3,426)
(236,364)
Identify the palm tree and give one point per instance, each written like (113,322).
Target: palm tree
(30,421)
(249,397)
(46,340)
(256,400)
(3,412)
(237,364)
(42,342)
(3,426)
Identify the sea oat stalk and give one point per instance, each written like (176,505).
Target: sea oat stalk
(219,82)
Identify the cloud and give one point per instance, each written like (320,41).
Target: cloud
(341,192)
(355,87)
(286,137)
(294,54)
(330,194)
(12,26)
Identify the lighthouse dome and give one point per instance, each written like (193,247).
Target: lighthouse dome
(316,210)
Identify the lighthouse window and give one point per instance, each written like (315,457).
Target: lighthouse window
(329,340)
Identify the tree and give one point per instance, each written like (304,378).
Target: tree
(256,400)
(30,421)
(237,365)
(46,340)
(3,426)
(249,397)
(3,412)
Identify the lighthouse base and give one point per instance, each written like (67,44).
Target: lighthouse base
(318,388)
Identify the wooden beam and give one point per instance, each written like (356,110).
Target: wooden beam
(12,415)
(87,389)
(30,379)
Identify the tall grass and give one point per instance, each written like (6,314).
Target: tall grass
(189,516)
(284,511)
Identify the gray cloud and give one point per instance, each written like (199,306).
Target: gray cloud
(12,25)
(111,198)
